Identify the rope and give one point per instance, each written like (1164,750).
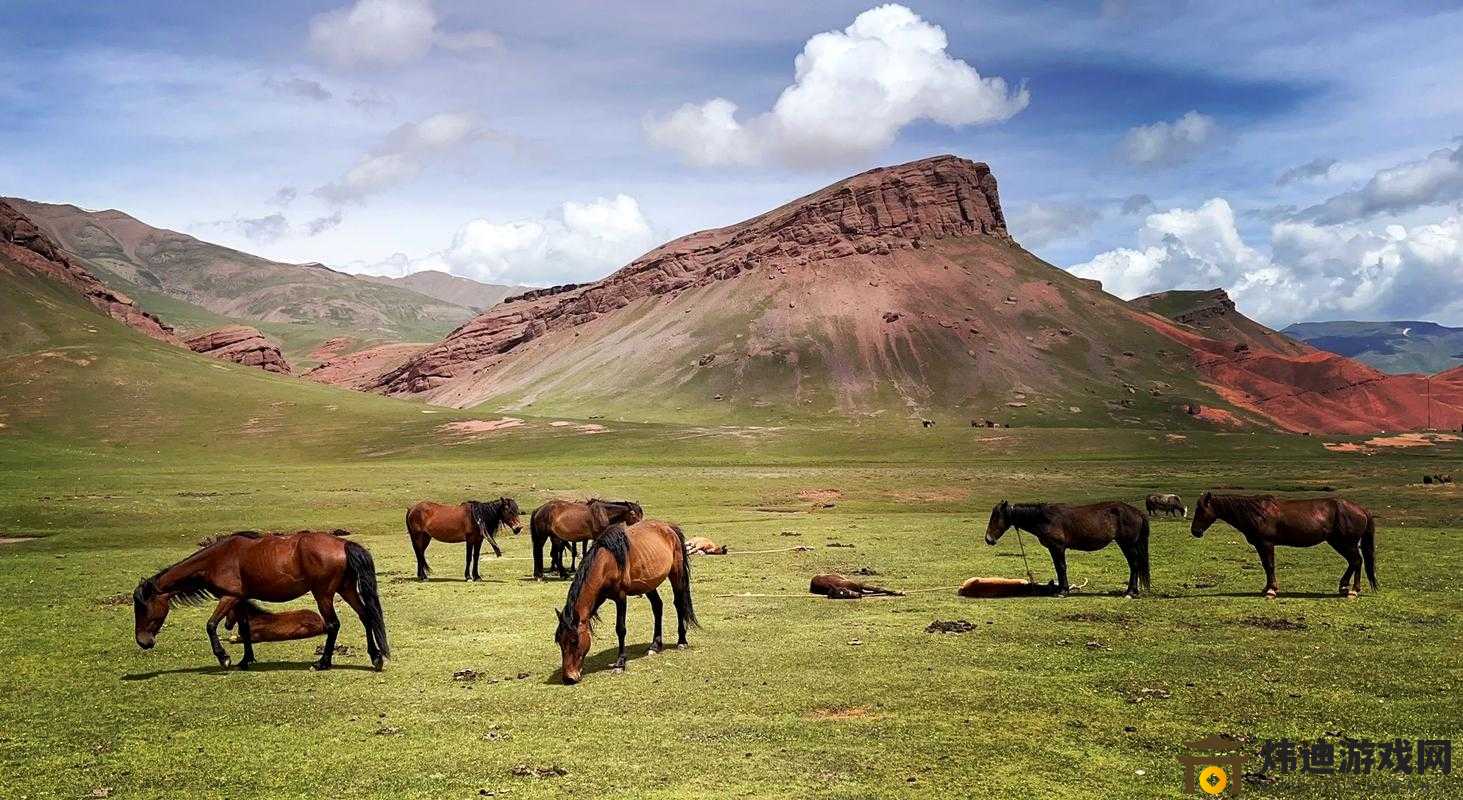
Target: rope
(796,548)
(812,596)
(1022,542)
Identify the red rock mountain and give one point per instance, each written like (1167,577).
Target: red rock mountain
(894,293)
(1213,314)
(26,246)
(240,344)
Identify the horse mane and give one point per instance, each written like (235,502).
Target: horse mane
(488,515)
(190,591)
(617,544)
(1021,513)
(1250,505)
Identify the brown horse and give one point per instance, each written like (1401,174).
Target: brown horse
(1266,522)
(837,587)
(469,522)
(1061,527)
(568,521)
(275,568)
(620,563)
(270,626)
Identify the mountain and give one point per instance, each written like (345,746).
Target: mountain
(1389,346)
(201,285)
(1213,313)
(448,288)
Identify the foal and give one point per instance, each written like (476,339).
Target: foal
(1060,527)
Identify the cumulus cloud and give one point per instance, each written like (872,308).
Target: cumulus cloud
(1315,169)
(1434,180)
(386,33)
(1164,144)
(404,154)
(853,91)
(299,87)
(577,242)
(1042,223)
(1312,272)
(284,196)
(1137,204)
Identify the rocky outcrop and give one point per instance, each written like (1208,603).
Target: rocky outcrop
(363,368)
(1212,313)
(879,212)
(240,344)
(23,242)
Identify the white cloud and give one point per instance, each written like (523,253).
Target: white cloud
(852,93)
(1042,223)
(403,154)
(1315,169)
(388,33)
(578,242)
(1170,143)
(1433,180)
(1313,271)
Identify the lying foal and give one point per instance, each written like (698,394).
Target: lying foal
(837,587)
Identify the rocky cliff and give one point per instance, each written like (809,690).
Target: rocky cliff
(240,344)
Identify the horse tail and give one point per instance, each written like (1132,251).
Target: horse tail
(360,569)
(1143,554)
(681,584)
(1369,549)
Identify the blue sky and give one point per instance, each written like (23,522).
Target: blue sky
(1304,156)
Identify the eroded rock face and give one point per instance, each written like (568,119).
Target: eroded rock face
(878,212)
(27,245)
(240,344)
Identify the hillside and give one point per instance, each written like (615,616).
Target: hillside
(1212,313)
(448,288)
(198,285)
(1397,347)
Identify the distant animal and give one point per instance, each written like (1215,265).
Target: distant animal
(1168,504)
(984,588)
(469,522)
(1266,522)
(273,568)
(928,423)
(1061,527)
(837,587)
(566,521)
(622,562)
(270,626)
(703,545)
(1437,479)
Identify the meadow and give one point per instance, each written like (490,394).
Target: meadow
(780,695)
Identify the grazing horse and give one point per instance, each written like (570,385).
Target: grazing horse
(1167,503)
(270,626)
(1266,522)
(470,522)
(1061,527)
(620,563)
(837,587)
(568,521)
(275,568)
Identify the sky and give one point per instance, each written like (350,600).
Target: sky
(1306,157)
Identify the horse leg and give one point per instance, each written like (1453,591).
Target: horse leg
(1131,554)
(477,557)
(224,606)
(419,542)
(326,603)
(1267,560)
(538,552)
(247,637)
(1059,563)
(655,608)
(353,599)
(620,604)
(563,573)
(1353,568)
(467,564)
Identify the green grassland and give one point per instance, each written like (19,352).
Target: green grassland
(120,453)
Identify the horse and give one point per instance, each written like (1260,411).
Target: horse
(1167,503)
(704,546)
(270,626)
(470,522)
(1061,527)
(987,588)
(837,587)
(620,563)
(1267,522)
(275,568)
(568,521)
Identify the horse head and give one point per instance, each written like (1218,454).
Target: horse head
(508,513)
(572,636)
(1000,522)
(487,517)
(1204,514)
(149,611)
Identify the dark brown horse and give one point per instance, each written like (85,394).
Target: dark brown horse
(620,563)
(1061,527)
(567,521)
(469,522)
(836,587)
(1267,522)
(274,568)
(270,626)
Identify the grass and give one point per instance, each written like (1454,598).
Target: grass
(119,454)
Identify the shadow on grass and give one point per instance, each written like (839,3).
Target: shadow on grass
(601,661)
(257,666)
(1282,596)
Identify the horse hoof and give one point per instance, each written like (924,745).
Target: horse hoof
(244,665)
(320,666)
(225,662)
(378,664)
(1129,595)
(682,646)
(1270,594)
(1351,595)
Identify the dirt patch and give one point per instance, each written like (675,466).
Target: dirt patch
(1346,447)
(531,771)
(590,428)
(115,600)
(16,539)
(340,650)
(835,713)
(820,495)
(1142,694)
(1413,439)
(471,428)
(950,626)
(1275,623)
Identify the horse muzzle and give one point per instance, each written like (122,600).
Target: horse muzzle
(146,643)
(989,539)
(570,680)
